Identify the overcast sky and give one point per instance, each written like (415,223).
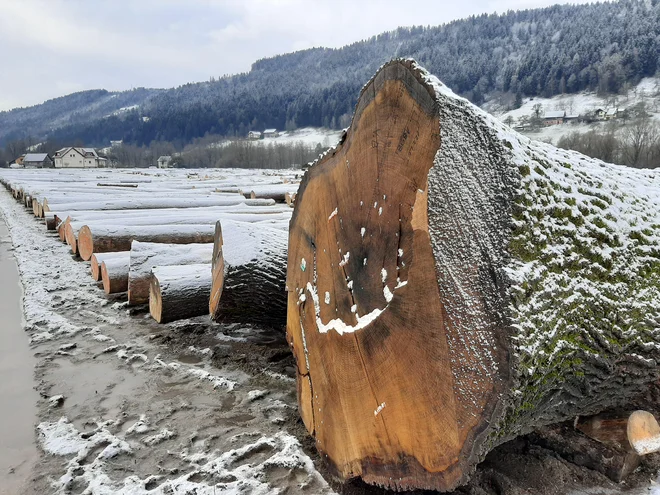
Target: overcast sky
(50,48)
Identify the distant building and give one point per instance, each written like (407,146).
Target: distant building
(254,135)
(554,118)
(599,114)
(271,133)
(612,114)
(165,161)
(116,143)
(19,160)
(78,158)
(38,160)
(571,117)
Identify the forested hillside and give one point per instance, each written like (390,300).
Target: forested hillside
(561,49)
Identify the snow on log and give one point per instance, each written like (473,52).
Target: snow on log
(155,203)
(145,255)
(98,258)
(114,274)
(178,292)
(249,272)
(277,220)
(104,238)
(453,284)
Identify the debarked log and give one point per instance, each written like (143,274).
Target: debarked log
(453,284)
(98,258)
(114,274)
(179,292)
(104,238)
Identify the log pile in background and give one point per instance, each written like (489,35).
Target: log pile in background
(131,225)
(453,284)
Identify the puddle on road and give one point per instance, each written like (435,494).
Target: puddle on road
(18,452)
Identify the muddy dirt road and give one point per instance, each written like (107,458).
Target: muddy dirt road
(18,413)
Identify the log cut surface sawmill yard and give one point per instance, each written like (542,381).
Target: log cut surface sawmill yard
(243,331)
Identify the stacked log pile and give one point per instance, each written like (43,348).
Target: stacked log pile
(151,237)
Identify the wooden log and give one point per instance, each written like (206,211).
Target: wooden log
(114,274)
(105,239)
(611,459)
(275,220)
(154,203)
(249,271)
(98,258)
(643,432)
(51,221)
(453,284)
(145,255)
(179,292)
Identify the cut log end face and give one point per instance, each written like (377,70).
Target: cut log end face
(365,318)
(155,300)
(643,432)
(85,243)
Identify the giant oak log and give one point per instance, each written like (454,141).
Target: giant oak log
(453,284)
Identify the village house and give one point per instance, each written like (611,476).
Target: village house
(37,160)
(554,118)
(271,133)
(612,114)
(78,158)
(254,135)
(19,160)
(165,161)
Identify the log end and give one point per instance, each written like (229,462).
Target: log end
(95,268)
(643,432)
(85,244)
(155,301)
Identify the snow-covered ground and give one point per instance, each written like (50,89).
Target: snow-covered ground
(308,136)
(647,91)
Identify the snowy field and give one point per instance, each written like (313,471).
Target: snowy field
(647,91)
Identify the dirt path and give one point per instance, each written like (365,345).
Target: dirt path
(18,413)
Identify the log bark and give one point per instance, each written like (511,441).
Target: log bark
(249,272)
(179,292)
(453,284)
(104,239)
(98,258)
(114,274)
(145,255)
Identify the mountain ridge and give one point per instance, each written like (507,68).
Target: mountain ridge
(538,52)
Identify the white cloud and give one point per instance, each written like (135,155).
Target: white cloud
(161,43)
